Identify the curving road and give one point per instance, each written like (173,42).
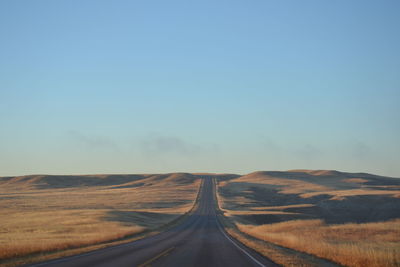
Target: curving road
(197,241)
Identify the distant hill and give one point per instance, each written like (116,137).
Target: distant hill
(335,196)
(112,180)
(324,178)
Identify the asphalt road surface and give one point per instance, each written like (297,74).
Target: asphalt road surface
(198,241)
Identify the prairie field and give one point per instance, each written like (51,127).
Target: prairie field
(351,219)
(367,244)
(43,213)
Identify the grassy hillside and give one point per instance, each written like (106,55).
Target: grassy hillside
(349,218)
(42,213)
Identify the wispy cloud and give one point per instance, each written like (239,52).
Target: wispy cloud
(308,152)
(270,145)
(360,150)
(93,142)
(161,145)
(299,152)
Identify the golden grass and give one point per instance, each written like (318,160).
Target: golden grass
(340,194)
(307,189)
(321,195)
(355,180)
(257,212)
(279,255)
(369,244)
(32,232)
(289,186)
(282,207)
(41,220)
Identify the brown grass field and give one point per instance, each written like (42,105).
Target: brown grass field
(351,219)
(348,218)
(42,213)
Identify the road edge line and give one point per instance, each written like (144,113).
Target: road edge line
(223,231)
(233,242)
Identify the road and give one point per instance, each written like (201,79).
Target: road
(198,241)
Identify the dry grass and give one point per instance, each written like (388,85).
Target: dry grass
(32,232)
(369,244)
(341,194)
(316,212)
(257,212)
(41,216)
(278,255)
(355,180)
(282,207)
(288,186)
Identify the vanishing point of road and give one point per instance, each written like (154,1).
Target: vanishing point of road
(199,240)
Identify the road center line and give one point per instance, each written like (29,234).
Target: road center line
(165,252)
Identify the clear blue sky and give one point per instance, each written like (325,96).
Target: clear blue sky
(217,86)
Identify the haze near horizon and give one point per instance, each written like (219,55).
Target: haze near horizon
(230,86)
